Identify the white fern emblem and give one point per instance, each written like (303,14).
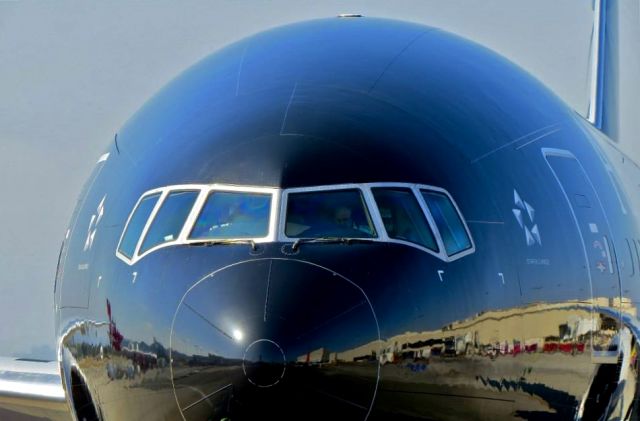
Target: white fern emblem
(93,224)
(521,210)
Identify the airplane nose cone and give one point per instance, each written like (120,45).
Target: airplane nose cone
(275,339)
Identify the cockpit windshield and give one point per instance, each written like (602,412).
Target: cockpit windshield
(332,213)
(421,216)
(233,215)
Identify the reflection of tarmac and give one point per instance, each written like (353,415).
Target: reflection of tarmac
(446,388)
(206,390)
(309,393)
(19,409)
(54,415)
(472,388)
(153,388)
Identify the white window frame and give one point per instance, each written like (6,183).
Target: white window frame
(376,218)
(278,214)
(123,256)
(203,193)
(461,253)
(282,237)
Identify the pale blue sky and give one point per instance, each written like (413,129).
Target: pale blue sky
(73,72)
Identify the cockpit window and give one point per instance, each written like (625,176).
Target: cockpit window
(233,215)
(136,224)
(453,233)
(414,215)
(403,217)
(333,213)
(169,219)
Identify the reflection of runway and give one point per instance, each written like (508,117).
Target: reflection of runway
(19,415)
(472,387)
(310,393)
(205,391)
(153,388)
(464,387)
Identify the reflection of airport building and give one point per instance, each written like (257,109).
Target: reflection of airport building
(560,327)
(318,356)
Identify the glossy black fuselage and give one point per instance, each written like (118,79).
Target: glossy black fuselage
(525,326)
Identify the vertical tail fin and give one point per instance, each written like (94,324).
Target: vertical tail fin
(597,68)
(615,66)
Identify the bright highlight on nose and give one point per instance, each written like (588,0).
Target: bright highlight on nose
(237,334)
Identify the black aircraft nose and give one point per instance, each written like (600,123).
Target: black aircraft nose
(275,339)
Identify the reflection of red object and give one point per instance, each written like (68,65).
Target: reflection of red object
(531,348)
(550,347)
(567,348)
(115,337)
(517,348)
(580,347)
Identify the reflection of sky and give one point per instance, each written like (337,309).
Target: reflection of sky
(344,332)
(305,311)
(195,334)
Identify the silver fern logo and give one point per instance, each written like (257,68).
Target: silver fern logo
(525,215)
(93,224)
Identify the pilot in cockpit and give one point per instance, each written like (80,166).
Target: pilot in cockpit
(388,220)
(342,217)
(398,224)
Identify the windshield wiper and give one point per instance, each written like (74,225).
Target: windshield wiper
(209,243)
(325,240)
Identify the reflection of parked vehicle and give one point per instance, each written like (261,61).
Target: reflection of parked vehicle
(449,347)
(605,341)
(417,367)
(488,351)
(533,345)
(517,348)
(387,356)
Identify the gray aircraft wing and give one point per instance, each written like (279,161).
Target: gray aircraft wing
(31,390)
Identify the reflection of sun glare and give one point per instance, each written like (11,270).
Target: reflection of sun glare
(237,334)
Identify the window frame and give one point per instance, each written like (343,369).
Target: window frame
(203,193)
(278,214)
(461,253)
(282,220)
(425,210)
(146,194)
(154,214)
(376,218)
